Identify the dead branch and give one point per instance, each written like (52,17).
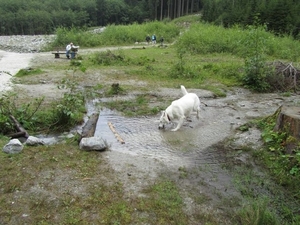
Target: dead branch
(219,106)
(21,131)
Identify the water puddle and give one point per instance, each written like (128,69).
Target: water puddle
(142,137)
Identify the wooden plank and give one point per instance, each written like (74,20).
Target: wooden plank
(115,133)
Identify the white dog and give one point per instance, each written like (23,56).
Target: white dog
(180,109)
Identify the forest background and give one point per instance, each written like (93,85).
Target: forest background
(19,17)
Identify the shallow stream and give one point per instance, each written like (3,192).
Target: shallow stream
(189,145)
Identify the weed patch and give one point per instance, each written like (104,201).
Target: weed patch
(28,72)
(134,107)
(165,203)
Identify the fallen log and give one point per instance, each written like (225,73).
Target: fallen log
(17,135)
(21,131)
(115,133)
(89,128)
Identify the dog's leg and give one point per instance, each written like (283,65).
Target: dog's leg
(198,112)
(180,122)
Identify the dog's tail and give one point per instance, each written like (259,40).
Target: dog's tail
(183,90)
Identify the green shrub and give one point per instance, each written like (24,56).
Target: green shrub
(68,111)
(256,70)
(107,58)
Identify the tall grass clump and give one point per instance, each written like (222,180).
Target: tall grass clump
(187,19)
(282,47)
(115,34)
(120,35)
(204,38)
(257,213)
(79,36)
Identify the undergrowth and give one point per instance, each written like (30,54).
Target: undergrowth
(281,155)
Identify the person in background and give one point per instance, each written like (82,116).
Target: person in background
(162,41)
(153,39)
(148,39)
(73,51)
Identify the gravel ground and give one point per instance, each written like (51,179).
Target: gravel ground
(13,57)
(25,43)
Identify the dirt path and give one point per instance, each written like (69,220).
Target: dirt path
(10,64)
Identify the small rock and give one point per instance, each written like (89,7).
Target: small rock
(92,143)
(34,141)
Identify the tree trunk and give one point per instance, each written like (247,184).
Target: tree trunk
(89,128)
(178,8)
(161,9)
(169,10)
(187,7)
(288,120)
(174,10)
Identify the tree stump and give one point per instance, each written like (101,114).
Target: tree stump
(288,120)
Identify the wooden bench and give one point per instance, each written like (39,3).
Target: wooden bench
(60,51)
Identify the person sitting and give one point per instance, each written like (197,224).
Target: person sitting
(71,50)
(68,49)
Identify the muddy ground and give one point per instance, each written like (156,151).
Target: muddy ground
(199,148)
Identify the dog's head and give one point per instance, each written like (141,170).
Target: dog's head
(164,119)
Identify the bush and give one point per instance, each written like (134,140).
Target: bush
(107,58)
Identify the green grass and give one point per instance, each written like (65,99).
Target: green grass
(158,65)
(27,72)
(205,38)
(163,204)
(257,213)
(60,184)
(139,106)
